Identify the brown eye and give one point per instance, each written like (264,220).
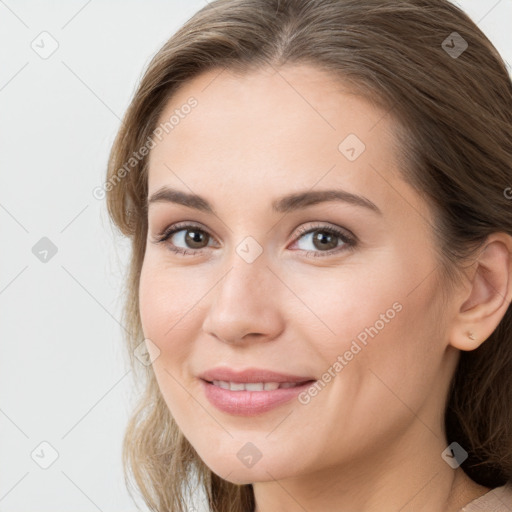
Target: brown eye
(324,241)
(185,239)
(194,238)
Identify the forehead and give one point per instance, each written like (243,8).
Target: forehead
(273,131)
(297,105)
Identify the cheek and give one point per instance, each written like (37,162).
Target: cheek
(163,308)
(384,316)
(349,302)
(152,302)
(166,293)
(165,322)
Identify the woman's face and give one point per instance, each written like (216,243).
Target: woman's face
(335,290)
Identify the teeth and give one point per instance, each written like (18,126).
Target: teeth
(288,385)
(253,386)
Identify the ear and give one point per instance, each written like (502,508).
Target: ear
(487,296)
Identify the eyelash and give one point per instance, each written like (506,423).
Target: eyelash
(350,242)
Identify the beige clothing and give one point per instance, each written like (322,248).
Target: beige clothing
(496,500)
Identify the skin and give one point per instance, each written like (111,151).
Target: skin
(372,439)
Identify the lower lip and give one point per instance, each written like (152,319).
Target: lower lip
(250,403)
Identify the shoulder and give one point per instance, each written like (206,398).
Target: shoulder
(496,500)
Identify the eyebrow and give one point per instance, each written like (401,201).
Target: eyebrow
(285,204)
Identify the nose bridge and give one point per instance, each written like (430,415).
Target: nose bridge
(242,301)
(247,271)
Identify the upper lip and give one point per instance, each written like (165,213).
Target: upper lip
(250,375)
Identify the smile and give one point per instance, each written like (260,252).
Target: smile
(251,399)
(254,386)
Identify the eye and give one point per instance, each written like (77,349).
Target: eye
(322,240)
(189,236)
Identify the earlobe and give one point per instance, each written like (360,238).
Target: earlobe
(490,293)
(466,340)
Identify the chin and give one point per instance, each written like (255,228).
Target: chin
(239,475)
(244,477)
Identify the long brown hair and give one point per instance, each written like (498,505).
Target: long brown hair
(453,110)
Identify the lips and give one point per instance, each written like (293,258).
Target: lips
(251,375)
(250,403)
(251,391)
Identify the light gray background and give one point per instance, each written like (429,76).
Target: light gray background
(64,378)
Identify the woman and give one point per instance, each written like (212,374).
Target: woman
(318,199)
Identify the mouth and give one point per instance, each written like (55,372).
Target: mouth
(256,386)
(251,398)
(255,376)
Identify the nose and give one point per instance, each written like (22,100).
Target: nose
(245,304)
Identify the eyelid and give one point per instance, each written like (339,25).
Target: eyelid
(342,232)
(301,229)
(179,226)
(348,238)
